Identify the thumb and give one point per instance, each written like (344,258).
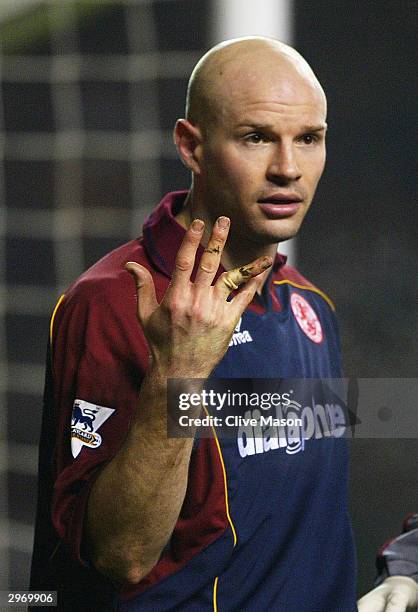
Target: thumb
(145,290)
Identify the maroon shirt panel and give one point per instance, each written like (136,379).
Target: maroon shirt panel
(100,356)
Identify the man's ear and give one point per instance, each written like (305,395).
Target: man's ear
(187,138)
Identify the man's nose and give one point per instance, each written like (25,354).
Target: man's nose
(283,164)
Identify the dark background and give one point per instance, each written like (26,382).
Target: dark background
(86,157)
(360,241)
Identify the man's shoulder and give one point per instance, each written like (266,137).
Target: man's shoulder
(102,301)
(289,275)
(108,275)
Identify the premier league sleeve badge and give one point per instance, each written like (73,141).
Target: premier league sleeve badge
(85,421)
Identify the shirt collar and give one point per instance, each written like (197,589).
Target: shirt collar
(163,235)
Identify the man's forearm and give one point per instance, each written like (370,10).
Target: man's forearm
(136,500)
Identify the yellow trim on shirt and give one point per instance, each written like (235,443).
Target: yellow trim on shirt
(314,289)
(234,533)
(218,446)
(51,325)
(215,589)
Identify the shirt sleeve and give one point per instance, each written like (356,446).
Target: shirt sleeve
(99,358)
(399,556)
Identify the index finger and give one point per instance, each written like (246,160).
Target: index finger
(231,280)
(186,254)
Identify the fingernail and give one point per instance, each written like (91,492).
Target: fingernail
(197,226)
(223,222)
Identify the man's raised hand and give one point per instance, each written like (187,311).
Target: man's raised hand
(189,332)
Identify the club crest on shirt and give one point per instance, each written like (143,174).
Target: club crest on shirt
(86,419)
(240,337)
(306,317)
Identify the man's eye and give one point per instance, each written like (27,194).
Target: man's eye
(309,139)
(255,137)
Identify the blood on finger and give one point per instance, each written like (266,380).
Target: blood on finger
(246,271)
(216,250)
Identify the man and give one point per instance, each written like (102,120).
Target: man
(143,521)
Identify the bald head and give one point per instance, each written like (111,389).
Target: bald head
(233,67)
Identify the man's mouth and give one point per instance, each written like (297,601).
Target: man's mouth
(280,205)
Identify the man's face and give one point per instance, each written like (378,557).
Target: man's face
(262,158)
